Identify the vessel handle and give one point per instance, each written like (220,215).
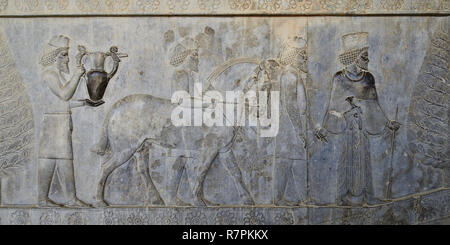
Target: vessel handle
(116,59)
(82,51)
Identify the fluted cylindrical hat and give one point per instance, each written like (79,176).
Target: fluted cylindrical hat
(354,41)
(290,51)
(353,44)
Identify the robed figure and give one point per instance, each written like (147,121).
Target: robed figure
(356,118)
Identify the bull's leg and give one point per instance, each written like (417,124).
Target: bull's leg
(230,164)
(206,159)
(107,168)
(174,181)
(143,169)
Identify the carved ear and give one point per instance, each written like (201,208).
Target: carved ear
(82,48)
(169,36)
(209,31)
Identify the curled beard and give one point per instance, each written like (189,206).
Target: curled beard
(303,67)
(362,65)
(64,68)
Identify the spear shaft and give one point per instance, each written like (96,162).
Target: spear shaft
(391,169)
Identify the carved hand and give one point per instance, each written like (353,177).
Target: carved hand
(354,112)
(393,125)
(321,134)
(80,70)
(81,52)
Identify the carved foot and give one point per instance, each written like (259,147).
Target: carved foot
(156,202)
(180,203)
(377,201)
(248,201)
(353,201)
(285,203)
(199,202)
(48,204)
(77,203)
(100,204)
(210,204)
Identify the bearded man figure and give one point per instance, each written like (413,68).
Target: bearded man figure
(55,145)
(353,121)
(184,58)
(292,140)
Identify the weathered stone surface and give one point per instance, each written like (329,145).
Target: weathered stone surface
(87,133)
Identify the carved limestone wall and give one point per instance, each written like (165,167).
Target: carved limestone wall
(339,116)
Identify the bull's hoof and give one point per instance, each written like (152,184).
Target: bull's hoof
(210,204)
(100,204)
(156,202)
(198,202)
(248,201)
(180,203)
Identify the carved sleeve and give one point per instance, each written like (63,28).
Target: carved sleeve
(334,120)
(374,119)
(63,91)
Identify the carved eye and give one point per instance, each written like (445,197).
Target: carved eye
(365,56)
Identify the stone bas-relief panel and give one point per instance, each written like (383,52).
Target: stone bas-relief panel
(360,135)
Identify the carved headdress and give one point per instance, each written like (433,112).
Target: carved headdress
(291,50)
(353,45)
(182,50)
(54,47)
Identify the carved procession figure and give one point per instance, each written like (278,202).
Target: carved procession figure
(184,59)
(291,141)
(55,145)
(287,75)
(353,120)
